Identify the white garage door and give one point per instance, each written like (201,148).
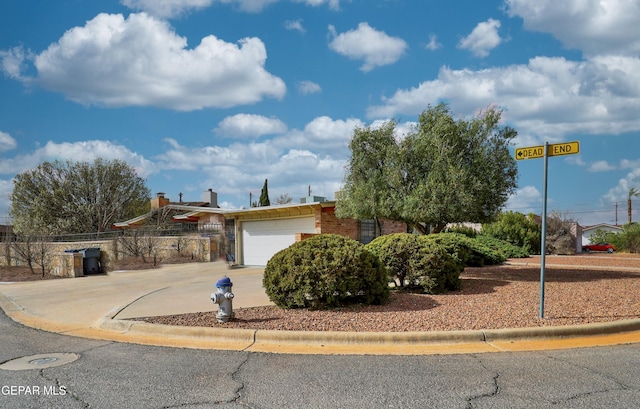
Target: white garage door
(262,239)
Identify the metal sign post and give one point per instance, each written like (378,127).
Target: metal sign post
(534,152)
(543,239)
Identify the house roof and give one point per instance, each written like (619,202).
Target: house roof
(600,226)
(193,213)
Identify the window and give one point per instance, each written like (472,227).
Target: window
(367,230)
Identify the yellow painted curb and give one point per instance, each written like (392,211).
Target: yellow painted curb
(347,343)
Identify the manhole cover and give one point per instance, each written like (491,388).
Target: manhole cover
(40,361)
(43,361)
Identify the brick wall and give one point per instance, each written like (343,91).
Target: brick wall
(393,226)
(330,224)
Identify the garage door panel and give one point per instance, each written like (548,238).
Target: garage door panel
(261,239)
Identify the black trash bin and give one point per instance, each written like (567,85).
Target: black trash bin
(90,259)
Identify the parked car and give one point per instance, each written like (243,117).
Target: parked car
(609,248)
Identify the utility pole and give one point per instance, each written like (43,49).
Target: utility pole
(616,213)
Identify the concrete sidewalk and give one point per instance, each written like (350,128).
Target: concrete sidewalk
(105,307)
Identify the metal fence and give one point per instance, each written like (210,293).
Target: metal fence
(112,234)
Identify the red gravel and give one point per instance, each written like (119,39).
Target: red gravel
(578,290)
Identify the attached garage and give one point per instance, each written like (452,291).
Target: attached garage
(261,239)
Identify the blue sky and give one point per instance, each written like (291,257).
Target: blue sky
(223,94)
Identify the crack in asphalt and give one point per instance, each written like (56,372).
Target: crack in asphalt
(621,386)
(67,391)
(235,376)
(495,387)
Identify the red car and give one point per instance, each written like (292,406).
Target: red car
(609,248)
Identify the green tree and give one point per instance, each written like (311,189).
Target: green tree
(516,228)
(628,239)
(444,171)
(76,197)
(371,175)
(264,195)
(601,235)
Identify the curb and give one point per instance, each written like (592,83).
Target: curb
(347,343)
(377,343)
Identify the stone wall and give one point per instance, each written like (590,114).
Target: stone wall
(64,259)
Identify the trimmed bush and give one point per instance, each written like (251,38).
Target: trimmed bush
(503,248)
(325,271)
(399,253)
(478,251)
(456,244)
(411,262)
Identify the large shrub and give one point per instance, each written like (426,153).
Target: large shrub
(411,262)
(516,228)
(325,271)
(628,240)
(499,250)
(399,253)
(456,244)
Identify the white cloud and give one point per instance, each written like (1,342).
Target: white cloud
(315,155)
(323,135)
(140,61)
(249,126)
(77,151)
(482,39)
(256,6)
(597,27)
(7,142)
(552,97)
(12,62)
(525,200)
(176,8)
(166,8)
(375,47)
(308,87)
(601,166)
(433,43)
(294,25)
(333,4)
(629,164)
(241,168)
(620,193)
(250,6)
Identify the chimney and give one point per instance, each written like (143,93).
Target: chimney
(210,197)
(159,201)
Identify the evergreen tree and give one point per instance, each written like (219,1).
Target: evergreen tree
(264,195)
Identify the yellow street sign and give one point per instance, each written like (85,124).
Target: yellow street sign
(556,149)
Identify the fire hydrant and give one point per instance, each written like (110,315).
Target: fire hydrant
(224,297)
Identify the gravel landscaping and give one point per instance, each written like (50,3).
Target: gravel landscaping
(578,290)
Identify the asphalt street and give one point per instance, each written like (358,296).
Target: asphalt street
(109,374)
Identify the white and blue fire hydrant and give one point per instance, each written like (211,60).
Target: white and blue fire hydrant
(223,297)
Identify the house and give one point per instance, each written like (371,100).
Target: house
(587,231)
(252,236)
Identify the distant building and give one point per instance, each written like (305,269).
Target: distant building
(587,231)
